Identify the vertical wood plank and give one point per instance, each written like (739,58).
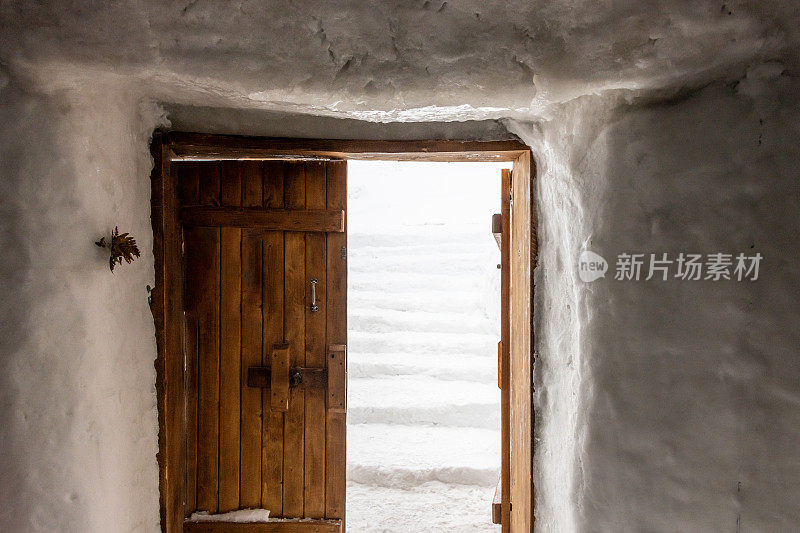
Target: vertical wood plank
(273,318)
(208,283)
(188,184)
(167,309)
(296,285)
(161,170)
(279,378)
(534,258)
(191,330)
(337,378)
(520,351)
(230,342)
(250,435)
(315,353)
(505,332)
(189,189)
(336,329)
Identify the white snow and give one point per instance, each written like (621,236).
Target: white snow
(243,516)
(423,399)
(432,506)
(403,456)
(446,367)
(423,403)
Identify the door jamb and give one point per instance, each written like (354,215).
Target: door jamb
(167,295)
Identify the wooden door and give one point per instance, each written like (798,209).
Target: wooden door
(505,347)
(265,288)
(501,229)
(512,506)
(522,258)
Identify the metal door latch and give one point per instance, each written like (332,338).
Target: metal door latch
(314,307)
(295,379)
(279,378)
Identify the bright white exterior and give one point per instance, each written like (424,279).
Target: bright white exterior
(423,435)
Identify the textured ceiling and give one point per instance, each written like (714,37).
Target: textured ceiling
(406,60)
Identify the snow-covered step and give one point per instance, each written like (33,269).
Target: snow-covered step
(431,238)
(423,400)
(402,456)
(432,301)
(418,263)
(436,253)
(433,507)
(422,342)
(388,320)
(435,278)
(446,366)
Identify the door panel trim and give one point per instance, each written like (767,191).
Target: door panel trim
(305,220)
(283,526)
(203,146)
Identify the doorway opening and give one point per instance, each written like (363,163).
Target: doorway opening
(424,439)
(251,254)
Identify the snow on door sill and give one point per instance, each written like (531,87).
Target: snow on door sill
(255,516)
(241,516)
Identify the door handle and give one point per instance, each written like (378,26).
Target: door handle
(314,307)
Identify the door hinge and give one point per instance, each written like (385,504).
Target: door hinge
(344,252)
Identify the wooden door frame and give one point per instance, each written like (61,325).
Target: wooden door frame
(167,295)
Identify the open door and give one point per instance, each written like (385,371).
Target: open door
(249,308)
(522,258)
(512,506)
(264,294)
(501,229)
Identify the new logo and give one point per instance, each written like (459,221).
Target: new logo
(591,266)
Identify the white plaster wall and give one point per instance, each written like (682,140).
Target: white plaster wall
(670,406)
(692,389)
(570,162)
(78,410)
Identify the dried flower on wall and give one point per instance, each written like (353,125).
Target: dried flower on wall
(122,247)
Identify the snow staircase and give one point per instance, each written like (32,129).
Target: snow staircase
(423,403)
